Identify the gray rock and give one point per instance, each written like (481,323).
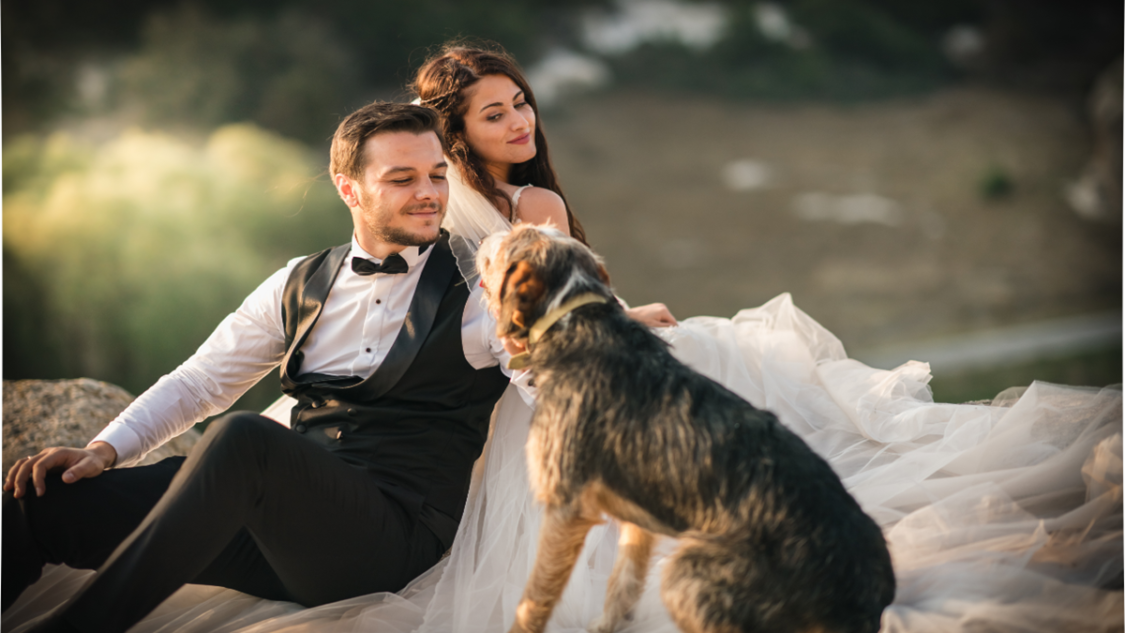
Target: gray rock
(39,414)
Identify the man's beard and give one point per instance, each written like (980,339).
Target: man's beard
(401,237)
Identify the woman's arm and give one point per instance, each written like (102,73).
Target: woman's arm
(542,206)
(652,315)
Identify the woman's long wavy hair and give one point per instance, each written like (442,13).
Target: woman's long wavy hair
(441,82)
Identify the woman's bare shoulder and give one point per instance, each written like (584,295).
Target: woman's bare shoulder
(542,206)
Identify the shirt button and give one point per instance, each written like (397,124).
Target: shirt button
(300,428)
(368,350)
(352,412)
(378,301)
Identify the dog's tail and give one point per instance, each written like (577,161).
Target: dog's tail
(711,587)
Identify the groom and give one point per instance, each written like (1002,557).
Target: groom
(394,367)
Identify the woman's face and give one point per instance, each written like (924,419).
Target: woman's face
(499,124)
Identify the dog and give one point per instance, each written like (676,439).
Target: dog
(769,539)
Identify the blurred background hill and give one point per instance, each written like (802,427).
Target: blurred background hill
(914,173)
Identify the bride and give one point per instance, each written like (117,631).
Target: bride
(994,514)
(1000,517)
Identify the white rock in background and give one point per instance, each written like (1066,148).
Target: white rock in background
(1085,197)
(635,22)
(92,83)
(847,209)
(963,44)
(774,24)
(562,71)
(747,174)
(1096,194)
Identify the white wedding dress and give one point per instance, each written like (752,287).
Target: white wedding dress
(1005,517)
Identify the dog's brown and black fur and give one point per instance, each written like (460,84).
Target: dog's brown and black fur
(770,541)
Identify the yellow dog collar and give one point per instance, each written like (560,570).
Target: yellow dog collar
(540,327)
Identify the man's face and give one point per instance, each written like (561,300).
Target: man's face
(401,199)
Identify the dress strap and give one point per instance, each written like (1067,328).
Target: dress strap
(516,202)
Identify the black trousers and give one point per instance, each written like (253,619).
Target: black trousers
(255,507)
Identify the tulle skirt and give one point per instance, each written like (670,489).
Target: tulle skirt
(1004,517)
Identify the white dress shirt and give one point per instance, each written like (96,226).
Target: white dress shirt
(359,323)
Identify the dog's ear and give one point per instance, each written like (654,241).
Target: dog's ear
(521,292)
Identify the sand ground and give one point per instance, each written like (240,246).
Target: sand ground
(935,257)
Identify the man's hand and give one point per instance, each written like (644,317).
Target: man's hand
(652,315)
(78,462)
(513,347)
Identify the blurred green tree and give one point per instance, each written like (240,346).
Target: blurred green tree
(125,255)
(295,66)
(836,49)
(290,73)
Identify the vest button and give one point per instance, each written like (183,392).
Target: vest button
(300,428)
(352,412)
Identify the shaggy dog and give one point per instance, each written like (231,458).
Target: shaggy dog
(769,539)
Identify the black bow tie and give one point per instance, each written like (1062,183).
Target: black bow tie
(392,265)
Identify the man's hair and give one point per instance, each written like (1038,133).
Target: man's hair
(347,155)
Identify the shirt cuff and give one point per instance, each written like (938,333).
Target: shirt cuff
(522,378)
(123,440)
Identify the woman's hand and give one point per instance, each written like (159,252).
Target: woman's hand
(652,315)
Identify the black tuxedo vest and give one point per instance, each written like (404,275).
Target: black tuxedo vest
(420,420)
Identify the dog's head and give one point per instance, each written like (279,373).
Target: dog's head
(532,270)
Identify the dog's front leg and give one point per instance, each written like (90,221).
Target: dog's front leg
(560,542)
(627,582)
